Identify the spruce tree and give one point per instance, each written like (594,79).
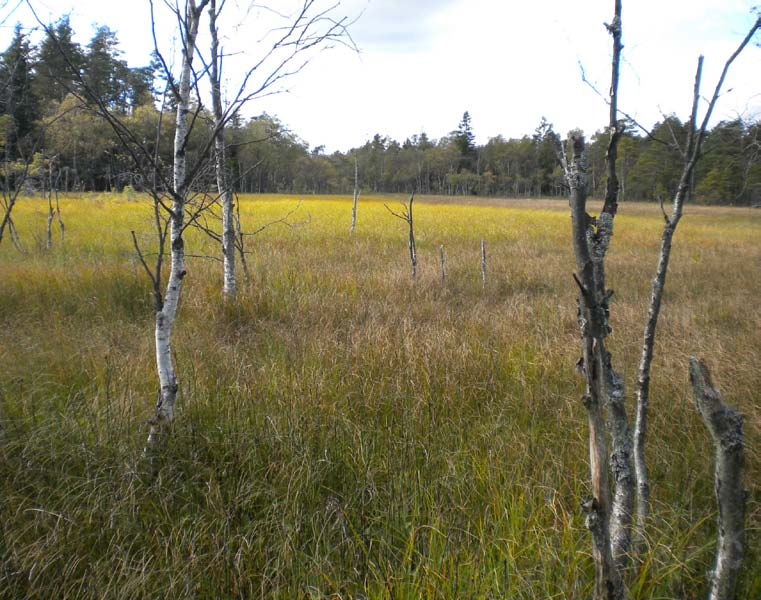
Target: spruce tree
(60,58)
(17,99)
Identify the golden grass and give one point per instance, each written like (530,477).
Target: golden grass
(343,432)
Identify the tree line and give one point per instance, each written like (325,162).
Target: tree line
(43,124)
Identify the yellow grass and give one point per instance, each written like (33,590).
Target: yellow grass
(343,432)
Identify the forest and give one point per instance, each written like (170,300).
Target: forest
(45,123)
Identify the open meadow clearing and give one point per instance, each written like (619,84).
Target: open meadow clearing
(343,432)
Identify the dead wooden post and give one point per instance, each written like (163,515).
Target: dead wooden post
(442,264)
(51,212)
(725,425)
(483,264)
(356,197)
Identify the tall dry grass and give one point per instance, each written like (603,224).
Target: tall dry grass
(343,432)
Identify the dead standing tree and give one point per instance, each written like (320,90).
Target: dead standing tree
(406,216)
(356,197)
(179,200)
(691,154)
(591,239)
(725,425)
(609,515)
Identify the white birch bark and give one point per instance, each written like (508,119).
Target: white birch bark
(166,315)
(725,425)
(483,264)
(229,288)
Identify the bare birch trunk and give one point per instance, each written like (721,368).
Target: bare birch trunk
(166,315)
(229,288)
(356,197)
(726,427)
(588,243)
(483,264)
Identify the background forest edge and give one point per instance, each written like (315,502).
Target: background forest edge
(40,120)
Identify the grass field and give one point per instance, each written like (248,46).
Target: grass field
(343,432)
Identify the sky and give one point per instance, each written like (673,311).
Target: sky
(421,64)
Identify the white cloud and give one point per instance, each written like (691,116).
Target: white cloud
(509,63)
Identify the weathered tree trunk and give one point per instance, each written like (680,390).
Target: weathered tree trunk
(412,246)
(725,425)
(406,216)
(356,197)
(615,396)
(595,363)
(10,202)
(166,315)
(442,264)
(229,288)
(483,264)
(61,225)
(692,154)
(51,217)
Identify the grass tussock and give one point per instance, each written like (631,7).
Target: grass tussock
(343,432)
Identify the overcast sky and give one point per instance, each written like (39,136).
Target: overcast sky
(422,63)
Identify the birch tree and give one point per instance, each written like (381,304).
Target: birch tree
(167,312)
(229,287)
(179,194)
(310,29)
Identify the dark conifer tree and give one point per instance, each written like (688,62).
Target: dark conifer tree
(17,99)
(59,58)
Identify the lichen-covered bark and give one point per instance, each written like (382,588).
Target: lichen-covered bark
(725,425)
(589,245)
